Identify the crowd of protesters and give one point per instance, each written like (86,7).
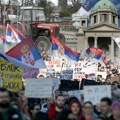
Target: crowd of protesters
(112,73)
(15,106)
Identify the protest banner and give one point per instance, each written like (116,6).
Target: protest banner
(96,93)
(76,93)
(39,88)
(90,67)
(68,85)
(77,74)
(67,74)
(104,74)
(87,82)
(11,76)
(30,73)
(54,64)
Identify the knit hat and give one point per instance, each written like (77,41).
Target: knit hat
(115,105)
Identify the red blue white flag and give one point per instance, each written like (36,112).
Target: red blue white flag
(25,55)
(13,35)
(64,52)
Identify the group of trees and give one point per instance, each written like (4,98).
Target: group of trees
(66,9)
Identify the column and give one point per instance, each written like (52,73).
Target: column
(95,42)
(112,49)
(98,18)
(110,18)
(86,43)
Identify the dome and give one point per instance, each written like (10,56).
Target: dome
(105,4)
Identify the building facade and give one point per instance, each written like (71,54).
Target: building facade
(98,30)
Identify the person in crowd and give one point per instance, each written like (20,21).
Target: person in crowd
(35,108)
(88,111)
(7,110)
(115,111)
(115,91)
(24,101)
(75,108)
(101,118)
(15,101)
(41,116)
(56,110)
(105,107)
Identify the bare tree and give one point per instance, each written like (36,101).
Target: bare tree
(74,6)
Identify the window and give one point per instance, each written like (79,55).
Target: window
(104,18)
(25,15)
(95,19)
(114,19)
(38,15)
(83,22)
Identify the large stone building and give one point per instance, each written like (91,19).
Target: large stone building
(98,29)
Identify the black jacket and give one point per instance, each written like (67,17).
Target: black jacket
(11,114)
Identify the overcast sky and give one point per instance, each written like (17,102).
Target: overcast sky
(54,1)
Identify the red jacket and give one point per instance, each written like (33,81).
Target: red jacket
(52,112)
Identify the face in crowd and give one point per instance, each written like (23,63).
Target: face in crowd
(105,106)
(88,108)
(116,109)
(75,107)
(60,101)
(35,109)
(4,98)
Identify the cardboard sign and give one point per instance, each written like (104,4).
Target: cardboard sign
(11,76)
(90,67)
(67,74)
(68,85)
(77,74)
(39,88)
(96,93)
(13,85)
(104,74)
(30,73)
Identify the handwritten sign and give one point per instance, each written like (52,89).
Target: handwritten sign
(67,74)
(104,74)
(11,76)
(30,73)
(39,88)
(77,74)
(96,93)
(12,85)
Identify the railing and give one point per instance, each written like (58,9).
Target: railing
(68,28)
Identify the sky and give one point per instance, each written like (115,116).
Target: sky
(54,1)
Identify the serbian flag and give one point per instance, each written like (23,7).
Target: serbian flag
(90,51)
(60,50)
(98,54)
(3,41)
(13,35)
(25,55)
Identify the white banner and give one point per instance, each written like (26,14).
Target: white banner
(39,88)
(96,93)
(77,74)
